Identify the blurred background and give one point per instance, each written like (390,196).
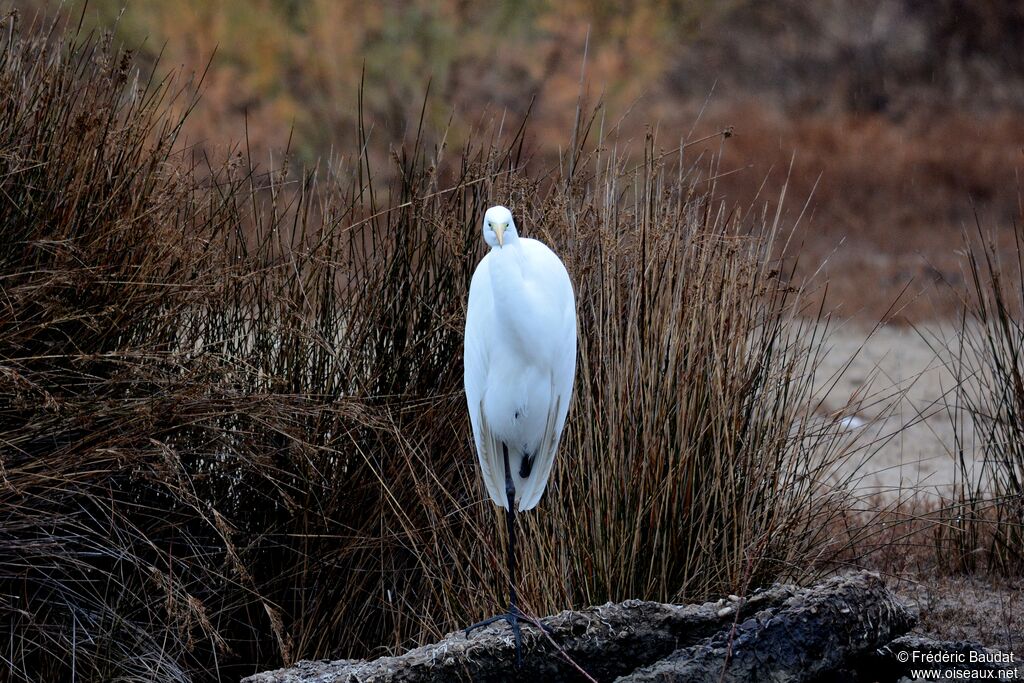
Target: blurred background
(893,122)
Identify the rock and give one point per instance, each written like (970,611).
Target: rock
(784,633)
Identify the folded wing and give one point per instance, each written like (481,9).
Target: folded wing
(562,376)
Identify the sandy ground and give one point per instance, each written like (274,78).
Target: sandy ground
(982,609)
(893,384)
(988,610)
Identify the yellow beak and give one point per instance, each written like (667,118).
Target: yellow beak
(499,231)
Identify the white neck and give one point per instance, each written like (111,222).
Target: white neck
(507,284)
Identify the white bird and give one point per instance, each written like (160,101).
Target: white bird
(520,361)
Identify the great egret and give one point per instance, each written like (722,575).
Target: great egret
(520,360)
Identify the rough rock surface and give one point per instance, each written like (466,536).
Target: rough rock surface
(811,634)
(847,627)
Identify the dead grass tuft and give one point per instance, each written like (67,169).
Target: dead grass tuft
(230,410)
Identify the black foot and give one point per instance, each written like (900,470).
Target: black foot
(512,617)
(547,629)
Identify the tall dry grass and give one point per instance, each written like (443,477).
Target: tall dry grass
(972,524)
(985,530)
(860,119)
(231,421)
(696,463)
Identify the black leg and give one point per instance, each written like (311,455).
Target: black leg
(512,617)
(510,524)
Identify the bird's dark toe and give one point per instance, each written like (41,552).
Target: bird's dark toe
(512,618)
(485,623)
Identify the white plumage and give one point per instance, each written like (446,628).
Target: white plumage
(520,359)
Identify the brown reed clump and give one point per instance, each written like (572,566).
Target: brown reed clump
(984,527)
(231,424)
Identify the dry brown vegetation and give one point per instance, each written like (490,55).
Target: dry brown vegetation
(889,200)
(231,420)
(232,432)
(990,391)
(890,117)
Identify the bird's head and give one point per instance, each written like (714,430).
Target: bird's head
(499,228)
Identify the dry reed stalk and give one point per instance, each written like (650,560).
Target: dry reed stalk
(230,415)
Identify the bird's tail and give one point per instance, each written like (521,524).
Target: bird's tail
(536,481)
(530,470)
